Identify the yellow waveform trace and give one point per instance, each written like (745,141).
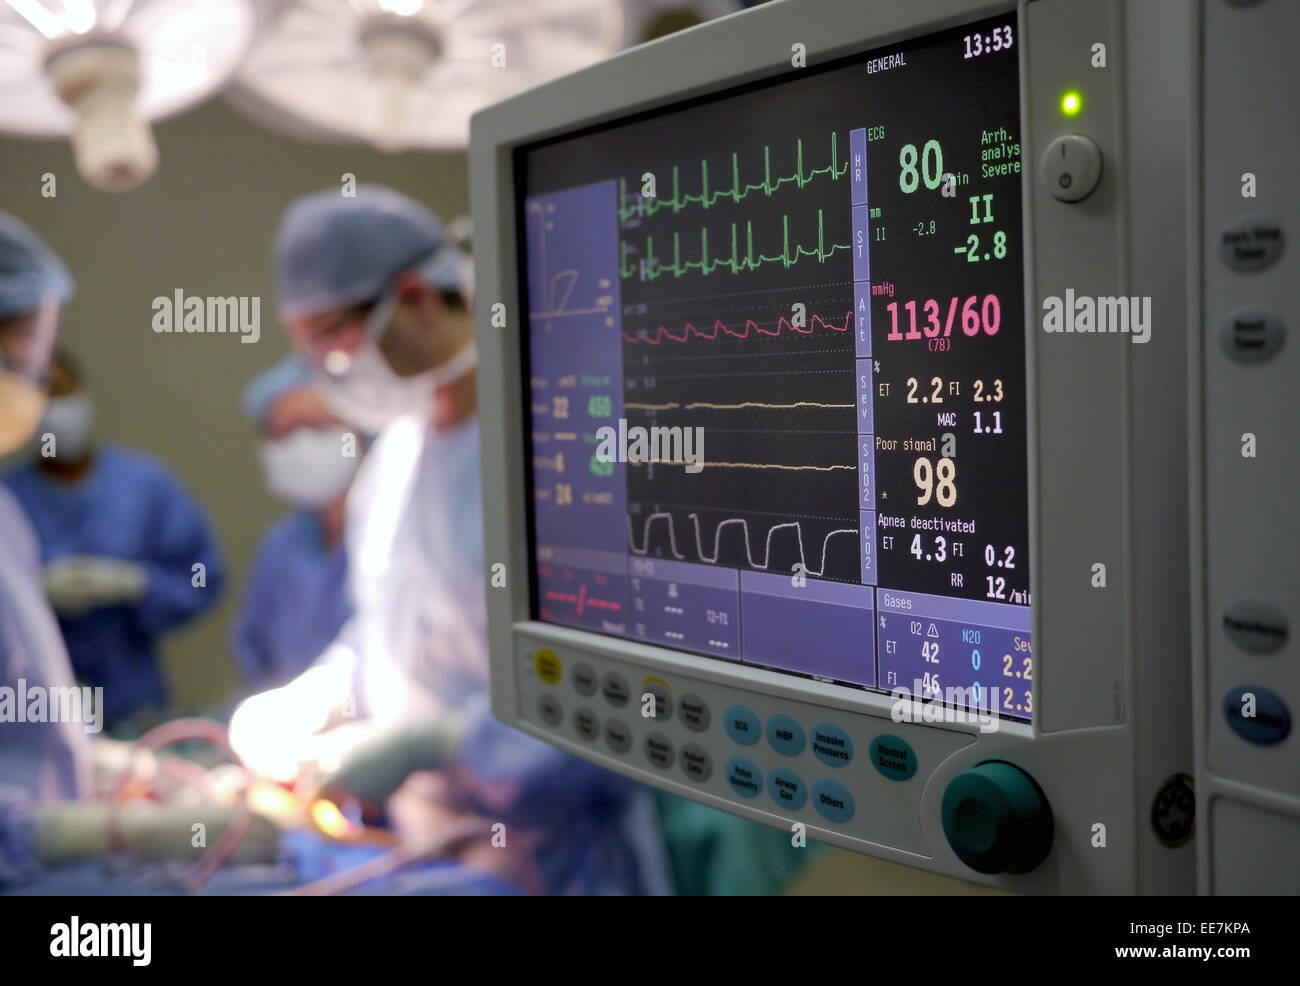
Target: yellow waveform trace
(735,407)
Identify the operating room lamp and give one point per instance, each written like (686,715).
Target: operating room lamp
(100,71)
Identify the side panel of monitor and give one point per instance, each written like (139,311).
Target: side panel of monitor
(1095,761)
(1246,462)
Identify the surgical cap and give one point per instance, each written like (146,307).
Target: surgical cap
(291,373)
(334,251)
(30,273)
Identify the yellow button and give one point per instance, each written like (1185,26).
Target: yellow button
(548,666)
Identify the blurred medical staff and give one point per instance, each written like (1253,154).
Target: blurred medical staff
(295,602)
(121,541)
(373,293)
(38,760)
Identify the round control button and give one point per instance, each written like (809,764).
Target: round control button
(696,762)
(549,708)
(1071,167)
(1251,335)
(617,736)
(997,819)
(587,725)
(742,725)
(786,735)
(694,713)
(744,777)
(1251,244)
(833,801)
(548,666)
(893,757)
(831,745)
(659,750)
(663,701)
(1255,626)
(614,687)
(1257,715)
(787,789)
(584,680)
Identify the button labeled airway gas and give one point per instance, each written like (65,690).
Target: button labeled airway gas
(1071,167)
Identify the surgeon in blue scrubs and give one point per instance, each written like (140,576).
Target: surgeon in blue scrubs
(296,600)
(127,554)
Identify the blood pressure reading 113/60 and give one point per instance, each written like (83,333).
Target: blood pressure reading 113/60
(776,368)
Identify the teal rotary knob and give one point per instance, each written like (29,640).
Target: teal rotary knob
(997,819)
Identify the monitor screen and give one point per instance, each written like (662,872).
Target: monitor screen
(775,360)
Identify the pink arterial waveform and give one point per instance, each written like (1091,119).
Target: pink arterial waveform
(720,327)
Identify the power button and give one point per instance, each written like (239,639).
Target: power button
(1071,167)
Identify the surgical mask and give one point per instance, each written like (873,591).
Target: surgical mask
(69,420)
(366,392)
(21,405)
(309,467)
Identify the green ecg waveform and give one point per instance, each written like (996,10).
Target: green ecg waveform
(655,268)
(648,207)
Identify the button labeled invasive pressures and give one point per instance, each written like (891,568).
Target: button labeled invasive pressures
(1252,244)
(742,725)
(744,777)
(696,762)
(586,724)
(1071,167)
(549,708)
(584,680)
(663,707)
(1255,626)
(831,745)
(833,801)
(787,789)
(1251,335)
(893,757)
(785,735)
(659,750)
(618,736)
(548,666)
(614,687)
(1257,715)
(694,713)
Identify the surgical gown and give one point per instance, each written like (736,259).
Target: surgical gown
(128,506)
(418,646)
(39,761)
(294,604)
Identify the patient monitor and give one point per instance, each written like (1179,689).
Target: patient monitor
(833,376)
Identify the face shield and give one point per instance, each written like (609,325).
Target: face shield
(26,343)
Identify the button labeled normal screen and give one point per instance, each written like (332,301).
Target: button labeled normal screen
(776,370)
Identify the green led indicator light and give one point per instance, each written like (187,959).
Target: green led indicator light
(1071,103)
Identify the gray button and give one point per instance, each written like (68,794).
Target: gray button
(587,725)
(1251,244)
(659,750)
(1255,626)
(663,702)
(1071,167)
(694,713)
(618,736)
(1251,335)
(549,708)
(584,680)
(696,762)
(614,687)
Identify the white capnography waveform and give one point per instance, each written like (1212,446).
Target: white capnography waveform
(717,534)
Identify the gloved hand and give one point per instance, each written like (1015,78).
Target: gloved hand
(273,731)
(77,584)
(383,757)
